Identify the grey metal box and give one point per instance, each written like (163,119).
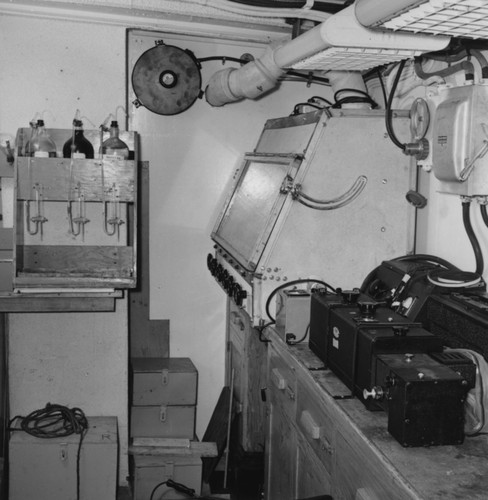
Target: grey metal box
(46,469)
(163,421)
(292,313)
(164,381)
(150,471)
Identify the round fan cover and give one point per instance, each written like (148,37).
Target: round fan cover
(166,79)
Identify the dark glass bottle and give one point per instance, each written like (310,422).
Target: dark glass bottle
(114,147)
(78,146)
(40,145)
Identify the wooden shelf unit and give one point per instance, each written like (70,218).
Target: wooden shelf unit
(75,220)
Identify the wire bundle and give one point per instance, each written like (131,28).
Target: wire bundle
(54,421)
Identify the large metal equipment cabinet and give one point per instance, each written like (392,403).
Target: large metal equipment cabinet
(267,234)
(75,219)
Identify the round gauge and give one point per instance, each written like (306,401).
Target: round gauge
(419,119)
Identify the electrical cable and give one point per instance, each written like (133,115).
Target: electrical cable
(388,114)
(287,285)
(55,421)
(472,237)
(321,6)
(295,342)
(484,214)
(465,66)
(296,109)
(427,258)
(382,84)
(364,97)
(272,12)
(180,488)
(417,272)
(319,98)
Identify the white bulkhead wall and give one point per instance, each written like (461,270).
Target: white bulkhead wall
(75,359)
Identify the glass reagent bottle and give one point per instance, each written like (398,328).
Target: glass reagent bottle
(41,145)
(78,146)
(114,147)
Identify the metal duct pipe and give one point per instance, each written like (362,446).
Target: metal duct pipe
(372,12)
(337,39)
(350,80)
(250,81)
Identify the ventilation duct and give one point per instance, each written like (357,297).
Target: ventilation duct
(340,43)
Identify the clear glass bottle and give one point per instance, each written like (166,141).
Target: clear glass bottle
(114,147)
(78,146)
(41,145)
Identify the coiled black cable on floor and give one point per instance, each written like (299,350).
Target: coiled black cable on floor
(54,421)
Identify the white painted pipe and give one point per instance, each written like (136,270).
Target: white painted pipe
(371,12)
(250,81)
(341,30)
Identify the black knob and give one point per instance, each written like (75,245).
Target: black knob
(400,331)
(239,294)
(350,296)
(228,285)
(367,309)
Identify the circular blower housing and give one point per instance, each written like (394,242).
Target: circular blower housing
(166,79)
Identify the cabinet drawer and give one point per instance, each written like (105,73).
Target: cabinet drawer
(313,478)
(315,423)
(361,475)
(282,384)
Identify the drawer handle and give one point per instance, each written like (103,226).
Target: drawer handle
(313,431)
(291,394)
(237,320)
(278,379)
(162,413)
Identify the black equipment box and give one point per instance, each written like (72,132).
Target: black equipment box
(355,339)
(321,303)
(404,283)
(425,399)
(460,319)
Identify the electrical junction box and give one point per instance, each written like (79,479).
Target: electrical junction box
(460,139)
(170,381)
(292,313)
(46,469)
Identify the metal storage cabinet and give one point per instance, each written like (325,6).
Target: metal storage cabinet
(45,469)
(95,246)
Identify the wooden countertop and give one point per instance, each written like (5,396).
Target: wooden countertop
(447,472)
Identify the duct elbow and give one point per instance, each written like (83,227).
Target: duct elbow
(250,81)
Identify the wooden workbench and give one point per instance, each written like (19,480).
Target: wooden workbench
(336,446)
